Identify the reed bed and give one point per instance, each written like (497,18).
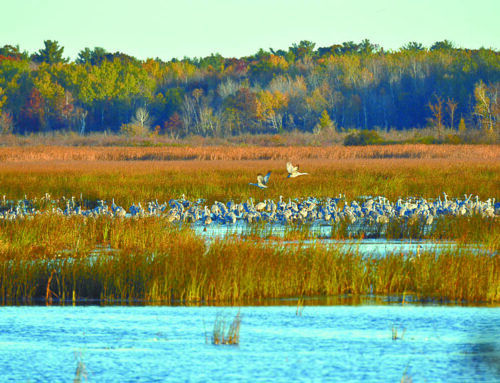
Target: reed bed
(141,181)
(149,260)
(239,153)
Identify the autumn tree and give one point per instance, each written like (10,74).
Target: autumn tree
(486,107)
(12,52)
(451,107)
(270,108)
(173,127)
(243,106)
(3,98)
(359,85)
(436,120)
(33,113)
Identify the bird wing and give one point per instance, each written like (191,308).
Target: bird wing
(260,179)
(289,167)
(266,178)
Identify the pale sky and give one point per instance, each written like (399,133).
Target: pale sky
(237,28)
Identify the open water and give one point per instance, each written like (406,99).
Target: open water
(340,343)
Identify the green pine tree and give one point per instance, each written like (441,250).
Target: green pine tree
(325,122)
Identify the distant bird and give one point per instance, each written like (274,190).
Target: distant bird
(262,181)
(293,171)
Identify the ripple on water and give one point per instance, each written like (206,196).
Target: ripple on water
(325,343)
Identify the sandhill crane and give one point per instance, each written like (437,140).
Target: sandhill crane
(293,171)
(262,181)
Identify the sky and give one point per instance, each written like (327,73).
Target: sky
(169,29)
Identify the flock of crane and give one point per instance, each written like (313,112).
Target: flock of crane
(368,210)
(327,211)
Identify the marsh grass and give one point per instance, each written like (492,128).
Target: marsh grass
(151,260)
(224,333)
(238,153)
(120,174)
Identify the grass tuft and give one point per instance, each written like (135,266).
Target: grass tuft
(224,333)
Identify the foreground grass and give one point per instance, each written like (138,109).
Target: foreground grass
(53,258)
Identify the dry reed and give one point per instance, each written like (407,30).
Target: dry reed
(150,260)
(229,335)
(231,153)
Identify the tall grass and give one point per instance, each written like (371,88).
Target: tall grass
(149,260)
(142,181)
(239,153)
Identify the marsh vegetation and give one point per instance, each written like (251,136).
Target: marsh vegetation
(105,258)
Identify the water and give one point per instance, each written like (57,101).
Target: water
(367,246)
(325,343)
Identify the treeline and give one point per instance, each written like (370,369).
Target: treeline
(303,88)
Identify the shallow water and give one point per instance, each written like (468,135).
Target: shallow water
(325,343)
(366,246)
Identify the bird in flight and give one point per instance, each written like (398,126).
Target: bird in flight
(262,181)
(293,171)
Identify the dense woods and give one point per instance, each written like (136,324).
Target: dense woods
(304,88)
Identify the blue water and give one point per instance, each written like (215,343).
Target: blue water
(367,246)
(324,344)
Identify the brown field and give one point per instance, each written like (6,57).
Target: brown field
(140,181)
(141,174)
(231,153)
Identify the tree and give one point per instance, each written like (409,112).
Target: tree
(270,108)
(451,107)
(141,118)
(303,49)
(32,113)
(367,48)
(462,128)
(444,45)
(13,52)
(487,108)
(413,46)
(324,123)
(6,123)
(105,85)
(54,98)
(93,57)
(52,53)
(437,114)
(3,98)
(174,127)
(244,102)
(349,47)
